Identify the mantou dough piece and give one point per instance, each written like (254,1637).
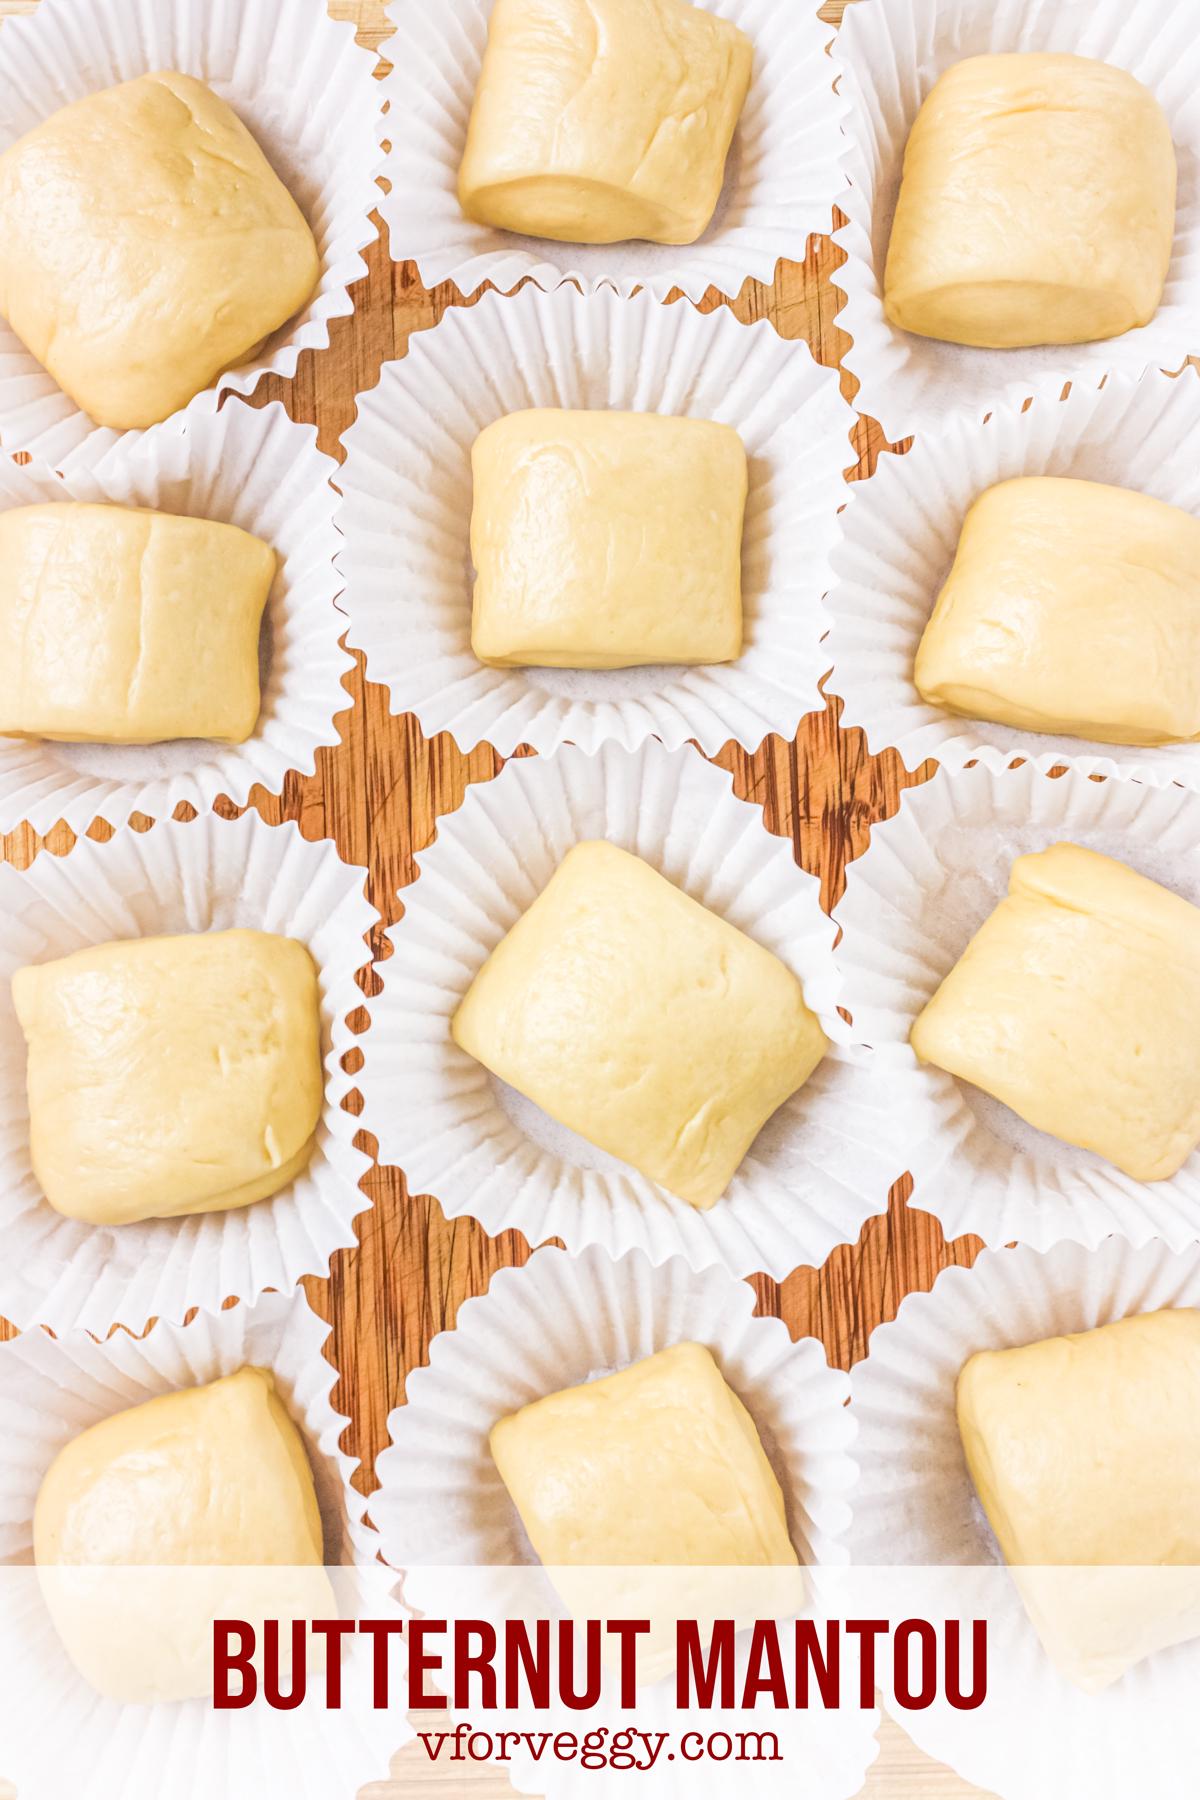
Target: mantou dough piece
(1085,1452)
(658,1464)
(198,1481)
(633,1015)
(1037,205)
(123,626)
(1074,608)
(607,539)
(600,120)
(146,245)
(1077,1003)
(171,1075)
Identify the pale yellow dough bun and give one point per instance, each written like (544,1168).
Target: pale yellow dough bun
(138,1515)
(633,1015)
(1037,205)
(171,1075)
(146,245)
(597,121)
(1072,608)
(123,626)
(1085,1452)
(656,1465)
(602,540)
(1077,1004)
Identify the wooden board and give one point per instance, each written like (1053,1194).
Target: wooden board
(379,795)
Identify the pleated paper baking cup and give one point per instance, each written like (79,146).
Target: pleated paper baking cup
(211,874)
(818,1169)
(931,876)
(888,57)
(1037,1736)
(61,1738)
(781,180)
(446,1518)
(297,80)
(239,466)
(901,531)
(406,516)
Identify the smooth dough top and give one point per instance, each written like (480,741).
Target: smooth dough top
(1074,608)
(607,539)
(146,245)
(1077,1003)
(207,1475)
(1037,205)
(171,1075)
(633,1015)
(658,1464)
(200,1479)
(1085,1452)
(600,120)
(124,626)
(1086,1449)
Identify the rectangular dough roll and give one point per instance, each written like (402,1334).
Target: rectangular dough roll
(171,1075)
(659,1464)
(1037,205)
(633,1015)
(602,540)
(1072,607)
(146,245)
(1085,1452)
(600,120)
(1077,1003)
(123,626)
(204,1480)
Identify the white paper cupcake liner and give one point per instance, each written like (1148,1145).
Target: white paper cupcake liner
(297,80)
(889,55)
(820,1168)
(240,466)
(209,874)
(62,1739)
(901,531)
(1037,1736)
(446,1519)
(408,492)
(781,180)
(931,876)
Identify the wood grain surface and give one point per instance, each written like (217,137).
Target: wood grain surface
(379,795)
